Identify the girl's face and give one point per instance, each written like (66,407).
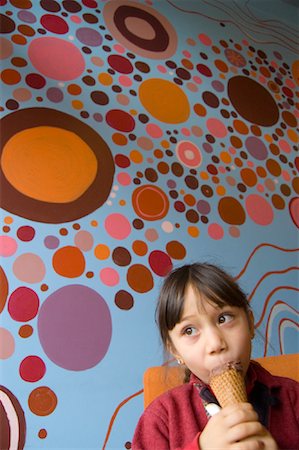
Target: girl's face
(209,335)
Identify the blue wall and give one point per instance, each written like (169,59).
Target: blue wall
(136,136)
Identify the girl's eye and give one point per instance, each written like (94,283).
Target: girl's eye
(225,318)
(189,331)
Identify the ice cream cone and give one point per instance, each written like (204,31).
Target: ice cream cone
(228,384)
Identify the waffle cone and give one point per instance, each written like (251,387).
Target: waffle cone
(228,385)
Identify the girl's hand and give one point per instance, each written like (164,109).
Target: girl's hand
(236,427)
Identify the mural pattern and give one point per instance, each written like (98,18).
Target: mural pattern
(135,135)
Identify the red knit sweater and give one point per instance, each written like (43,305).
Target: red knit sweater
(175,420)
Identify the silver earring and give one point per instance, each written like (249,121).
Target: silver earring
(180,362)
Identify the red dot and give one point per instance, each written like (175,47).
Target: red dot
(26,233)
(32,369)
(160,262)
(23,304)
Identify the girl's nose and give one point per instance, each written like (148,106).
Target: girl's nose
(215,341)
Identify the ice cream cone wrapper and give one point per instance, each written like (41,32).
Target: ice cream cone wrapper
(228,384)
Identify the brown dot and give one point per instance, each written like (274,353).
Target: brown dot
(192,216)
(121,256)
(176,250)
(289,119)
(273,167)
(278,202)
(124,300)
(140,278)
(252,101)
(231,211)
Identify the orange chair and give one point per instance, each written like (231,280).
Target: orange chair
(159,379)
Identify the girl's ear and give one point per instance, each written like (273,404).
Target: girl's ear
(172,350)
(251,323)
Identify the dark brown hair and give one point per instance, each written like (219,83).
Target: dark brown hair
(211,282)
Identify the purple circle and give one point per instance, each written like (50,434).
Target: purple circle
(26,16)
(171,184)
(218,86)
(88,36)
(203,207)
(207,147)
(74,327)
(256,148)
(55,94)
(51,242)
(98,117)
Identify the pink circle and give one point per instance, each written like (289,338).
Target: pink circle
(285,175)
(285,146)
(51,56)
(125,81)
(216,128)
(75,327)
(76,19)
(215,231)
(7,346)
(189,154)
(185,132)
(23,304)
(84,240)
(124,179)
(204,39)
(8,246)
(259,210)
(294,210)
(109,276)
(119,48)
(29,267)
(154,130)
(117,226)
(161,69)
(32,369)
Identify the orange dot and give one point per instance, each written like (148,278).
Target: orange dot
(293,135)
(204,175)
(193,231)
(164,100)
(42,434)
(69,262)
(53,158)
(225,157)
(94,223)
(19,39)
(8,220)
(105,79)
(158,153)
(140,248)
(221,65)
(122,203)
(25,331)
(200,110)
(74,89)
(119,139)
(189,200)
(165,144)
(240,127)
(102,251)
(42,401)
(220,190)
(10,76)
(136,157)
(268,138)
(77,104)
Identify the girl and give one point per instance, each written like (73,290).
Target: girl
(205,320)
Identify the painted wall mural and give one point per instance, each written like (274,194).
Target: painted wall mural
(135,136)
